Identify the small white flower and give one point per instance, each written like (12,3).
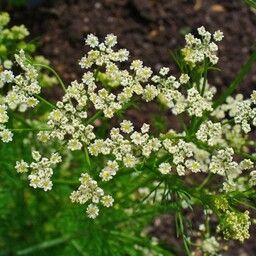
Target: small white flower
(218,35)
(6,135)
(21,166)
(107,201)
(165,168)
(92,211)
(92,40)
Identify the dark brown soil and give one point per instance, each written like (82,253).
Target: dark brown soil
(148,29)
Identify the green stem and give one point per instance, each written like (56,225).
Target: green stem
(44,245)
(182,123)
(252,3)
(54,72)
(205,77)
(65,182)
(231,121)
(29,129)
(96,73)
(244,71)
(78,248)
(17,117)
(248,205)
(204,182)
(253,158)
(45,101)
(94,117)
(192,126)
(87,157)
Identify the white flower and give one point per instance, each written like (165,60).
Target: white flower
(107,201)
(36,155)
(74,144)
(126,126)
(180,170)
(210,246)
(165,168)
(184,78)
(218,35)
(164,71)
(6,135)
(21,166)
(92,211)
(92,40)
(111,40)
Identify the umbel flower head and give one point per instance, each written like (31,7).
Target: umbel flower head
(197,49)
(235,225)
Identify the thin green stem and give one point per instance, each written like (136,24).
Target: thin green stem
(45,101)
(78,248)
(205,76)
(94,117)
(183,123)
(206,180)
(30,129)
(87,157)
(19,118)
(192,126)
(54,72)
(252,3)
(44,245)
(65,182)
(253,158)
(231,121)
(246,204)
(96,72)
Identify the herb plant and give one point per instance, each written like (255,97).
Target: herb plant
(102,177)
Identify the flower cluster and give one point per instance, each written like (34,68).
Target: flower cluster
(4,20)
(222,163)
(15,33)
(235,225)
(102,54)
(26,85)
(5,134)
(210,246)
(204,145)
(89,190)
(168,90)
(197,104)
(41,170)
(8,37)
(194,102)
(229,107)
(181,151)
(126,147)
(19,92)
(234,136)
(68,120)
(196,50)
(210,132)
(246,113)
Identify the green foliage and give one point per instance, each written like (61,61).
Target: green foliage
(252,3)
(16,3)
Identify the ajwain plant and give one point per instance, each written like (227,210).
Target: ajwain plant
(107,178)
